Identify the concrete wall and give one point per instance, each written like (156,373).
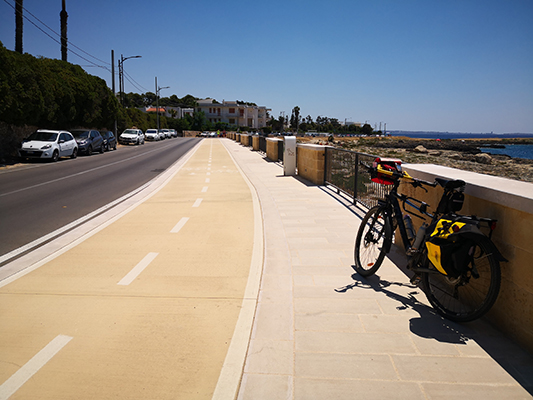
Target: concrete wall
(310,162)
(511,203)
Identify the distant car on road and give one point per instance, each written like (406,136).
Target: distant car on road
(151,134)
(162,135)
(88,140)
(49,144)
(133,135)
(110,141)
(173,133)
(167,133)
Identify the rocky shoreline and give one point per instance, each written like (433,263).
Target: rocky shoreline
(455,153)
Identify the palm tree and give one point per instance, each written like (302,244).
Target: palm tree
(18,26)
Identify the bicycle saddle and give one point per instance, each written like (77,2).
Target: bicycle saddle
(450,184)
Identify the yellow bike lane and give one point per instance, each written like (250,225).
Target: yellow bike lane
(146,308)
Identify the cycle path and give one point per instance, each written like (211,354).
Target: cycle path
(151,299)
(323,332)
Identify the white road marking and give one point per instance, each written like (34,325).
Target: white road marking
(209,173)
(197,202)
(204,189)
(136,271)
(179,225)
(207,180)
(19,378)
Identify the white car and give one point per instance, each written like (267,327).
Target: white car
(173,133)
(151,134)
(49,144)
(135,136)
(167,133)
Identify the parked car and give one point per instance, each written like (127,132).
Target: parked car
(49,144)
(151,134)
(133,135)
(173,133)
(166,132)
(162,134)
(88,140)
(110,141)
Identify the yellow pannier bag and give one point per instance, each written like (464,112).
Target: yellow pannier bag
(449,248)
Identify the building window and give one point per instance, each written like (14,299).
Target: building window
(232,111)
(232,121)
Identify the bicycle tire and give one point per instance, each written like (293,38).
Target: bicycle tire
(466,298)
(372,241)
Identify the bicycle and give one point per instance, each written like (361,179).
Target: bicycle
(454,262)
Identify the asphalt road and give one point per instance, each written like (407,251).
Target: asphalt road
(38,198)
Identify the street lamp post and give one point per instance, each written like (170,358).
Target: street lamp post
(157,90)
(121,75)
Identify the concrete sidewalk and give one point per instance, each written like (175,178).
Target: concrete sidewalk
(323,332)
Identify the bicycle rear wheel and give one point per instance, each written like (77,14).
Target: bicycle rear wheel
(372,241)
(471,295)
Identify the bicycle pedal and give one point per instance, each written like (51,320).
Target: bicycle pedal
(415,280)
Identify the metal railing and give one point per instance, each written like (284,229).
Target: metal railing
(262,144)
(342,170)
(280,150)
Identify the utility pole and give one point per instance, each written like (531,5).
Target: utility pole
(63,17)
(18,26)
(157,89)
(113,85)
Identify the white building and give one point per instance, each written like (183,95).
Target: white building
(171,112)
(230,112)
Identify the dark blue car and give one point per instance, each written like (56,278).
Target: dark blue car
(88,140)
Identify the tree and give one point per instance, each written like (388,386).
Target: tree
(18,26)
(295,118)
(367,129)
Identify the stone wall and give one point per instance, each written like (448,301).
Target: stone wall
(310,162)
(255,143)
(272,149)
(191,133)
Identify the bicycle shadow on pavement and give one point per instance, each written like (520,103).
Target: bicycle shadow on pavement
(428,325)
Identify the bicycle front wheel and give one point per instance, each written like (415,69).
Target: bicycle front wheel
(472,294)
(372,240)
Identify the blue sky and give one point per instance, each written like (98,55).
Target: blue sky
(424,65)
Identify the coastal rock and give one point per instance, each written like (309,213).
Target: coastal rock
(434,153)
(456,156)
(421,149)
(483,158)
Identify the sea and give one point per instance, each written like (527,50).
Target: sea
(512,150)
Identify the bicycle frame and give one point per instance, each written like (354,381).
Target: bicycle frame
(392,203)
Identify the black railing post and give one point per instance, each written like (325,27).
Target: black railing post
(356,178)
(325,166)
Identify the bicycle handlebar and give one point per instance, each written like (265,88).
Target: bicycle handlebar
(397,175)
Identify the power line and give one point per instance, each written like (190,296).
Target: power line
(134,84)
